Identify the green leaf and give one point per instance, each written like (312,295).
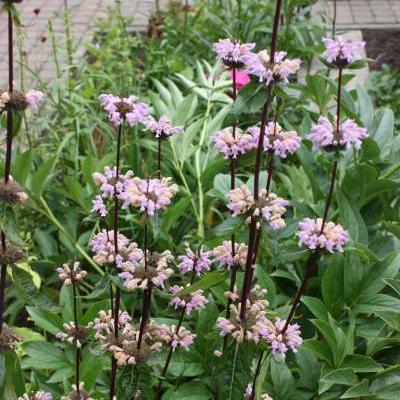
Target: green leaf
(41,176)
(359,390)
(376,303)
(316,306)
(44,355)
(382,130)
(190,391)
(208,280)
(360,363)
(49,321)
(342,376)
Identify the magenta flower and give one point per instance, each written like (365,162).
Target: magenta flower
(342,52)
(192,301)
(282,143)
(108,186)
(102,244)
(162,128)
(242,78)
(34,98)
(226,259)
(323,134)
(260,65)
(332,238)
(271,207)
(122,110)
(191,262)
(36,396)
(149,195)
(280,342)
(231,52)
(232,147)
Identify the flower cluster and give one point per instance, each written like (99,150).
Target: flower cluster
(191,301)
(12,254)
(271,207)
(170,335)
(323,135)
(11,192)
(122,110)
(231,52)
(73,334)
(232,146)
(198,263)
(18,101)
(248,393)
(103,245)
(282,143)
(146,272)
(76,394)
(280,340)
(36,396)
(255,321)
(279,71)
(162,128)
(124,347)
(71,273)
(342,52)
(109,186)
(332,238)
(149,195)
(229,257)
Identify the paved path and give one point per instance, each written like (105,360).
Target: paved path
(362,14)
(35,16)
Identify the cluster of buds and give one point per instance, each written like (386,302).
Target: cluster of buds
(78,393)
(151,271)
(342,52)
(149,195)
(36,396)
(17,101)
(189,302)
(270,206)
(171,336)
(11,192)
(71,273)
(332,238)
(232,53)
(122,110)
(109,185)
(195,263)
(323,135)
(249,391)
(229,256)
(267,72)
(103,245)
(12,254)
(232,146)
(276,140)
(74,335)
(8,339)
(249,329)
(161,129)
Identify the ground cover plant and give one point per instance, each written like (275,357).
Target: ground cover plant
(224,227)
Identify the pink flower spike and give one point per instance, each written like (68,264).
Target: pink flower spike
(231,52)
(342,52)
(34,98)
(162,128)
(242,78)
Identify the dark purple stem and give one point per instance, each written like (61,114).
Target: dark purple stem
(7,168)
(78,350)
(114,366)
(256,374)
(159,159)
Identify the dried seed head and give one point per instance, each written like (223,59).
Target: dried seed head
(76,394)
(11,192)
(17,102)
(8,339)
(12,254)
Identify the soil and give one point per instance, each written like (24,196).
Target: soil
(383,45)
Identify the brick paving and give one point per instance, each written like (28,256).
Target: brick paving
(83,14)
(362,14)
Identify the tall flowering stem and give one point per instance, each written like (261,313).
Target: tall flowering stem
(117,302)
(7,169)
(171,349)
(256,374)
(78,349)
(312,263)
(252,248)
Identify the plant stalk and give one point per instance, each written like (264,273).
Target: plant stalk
(256,374)
(78,350)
